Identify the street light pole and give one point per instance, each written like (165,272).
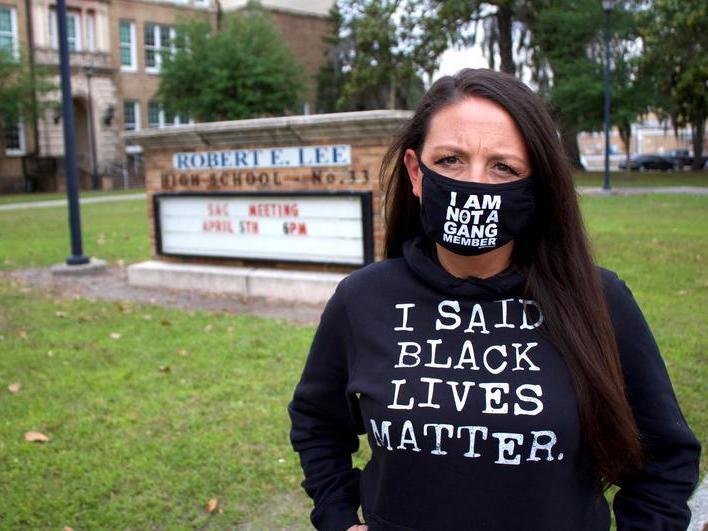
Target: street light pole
(77,255)
(607,7)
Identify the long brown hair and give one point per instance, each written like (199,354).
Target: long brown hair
(554,252)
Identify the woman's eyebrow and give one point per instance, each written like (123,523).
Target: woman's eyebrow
(494,154)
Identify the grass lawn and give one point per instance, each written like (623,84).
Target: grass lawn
(659,245)
(151,412)
(650,178)
(147,427)
(47,196)
(111,231)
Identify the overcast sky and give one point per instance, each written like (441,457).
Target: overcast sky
(455,59)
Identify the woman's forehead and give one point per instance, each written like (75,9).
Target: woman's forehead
(474,122)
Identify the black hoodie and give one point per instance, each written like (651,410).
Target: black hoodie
(470,412)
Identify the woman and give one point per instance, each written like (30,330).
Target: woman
(502,379)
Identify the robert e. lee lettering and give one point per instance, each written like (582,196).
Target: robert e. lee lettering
(263,167)
(263,178)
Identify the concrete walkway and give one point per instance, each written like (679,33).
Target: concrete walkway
(699,507)
(62,202)
(638,190)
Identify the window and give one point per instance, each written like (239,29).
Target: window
(15,139)
(131,115)
(90,31)
(8,30)
(154,114)
(72,32)
(159,117)
(128,51)
(73,27)
(159,40)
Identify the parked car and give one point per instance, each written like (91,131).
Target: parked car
(680,157)
(647,162)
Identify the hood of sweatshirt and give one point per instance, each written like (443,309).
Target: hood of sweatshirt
(421,256)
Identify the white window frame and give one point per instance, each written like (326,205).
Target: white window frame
(133,67)
(13,31)
(54,29)
(157,47)
(16,152)
(161,117)
(136,113)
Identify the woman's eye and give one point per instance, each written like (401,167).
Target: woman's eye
(506,169)
(446,161)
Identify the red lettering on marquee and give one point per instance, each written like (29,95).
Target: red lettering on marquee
(268,210)
(295,229)
(248,227)
(218,209)
(216,225)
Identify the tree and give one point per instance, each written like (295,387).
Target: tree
(676,58)
(332,77)
(377,54)
(21,91)
(572,63)
(504,28)
(243,70)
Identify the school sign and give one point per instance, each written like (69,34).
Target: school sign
(296,193)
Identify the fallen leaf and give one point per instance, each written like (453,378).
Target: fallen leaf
(115,335)
(22,334)
(165,322)
(212,505)
(67,528)
(60,314)
(182,352)
(14,387)
(208,328)
(35,436)
(164,368)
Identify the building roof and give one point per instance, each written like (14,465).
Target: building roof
(304,7)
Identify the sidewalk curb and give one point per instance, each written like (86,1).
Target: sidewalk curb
(699,507)
(63,202)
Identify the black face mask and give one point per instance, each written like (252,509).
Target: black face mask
(471,218)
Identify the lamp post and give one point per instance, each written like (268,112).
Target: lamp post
(88,70)
(607,8)
(77,256)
